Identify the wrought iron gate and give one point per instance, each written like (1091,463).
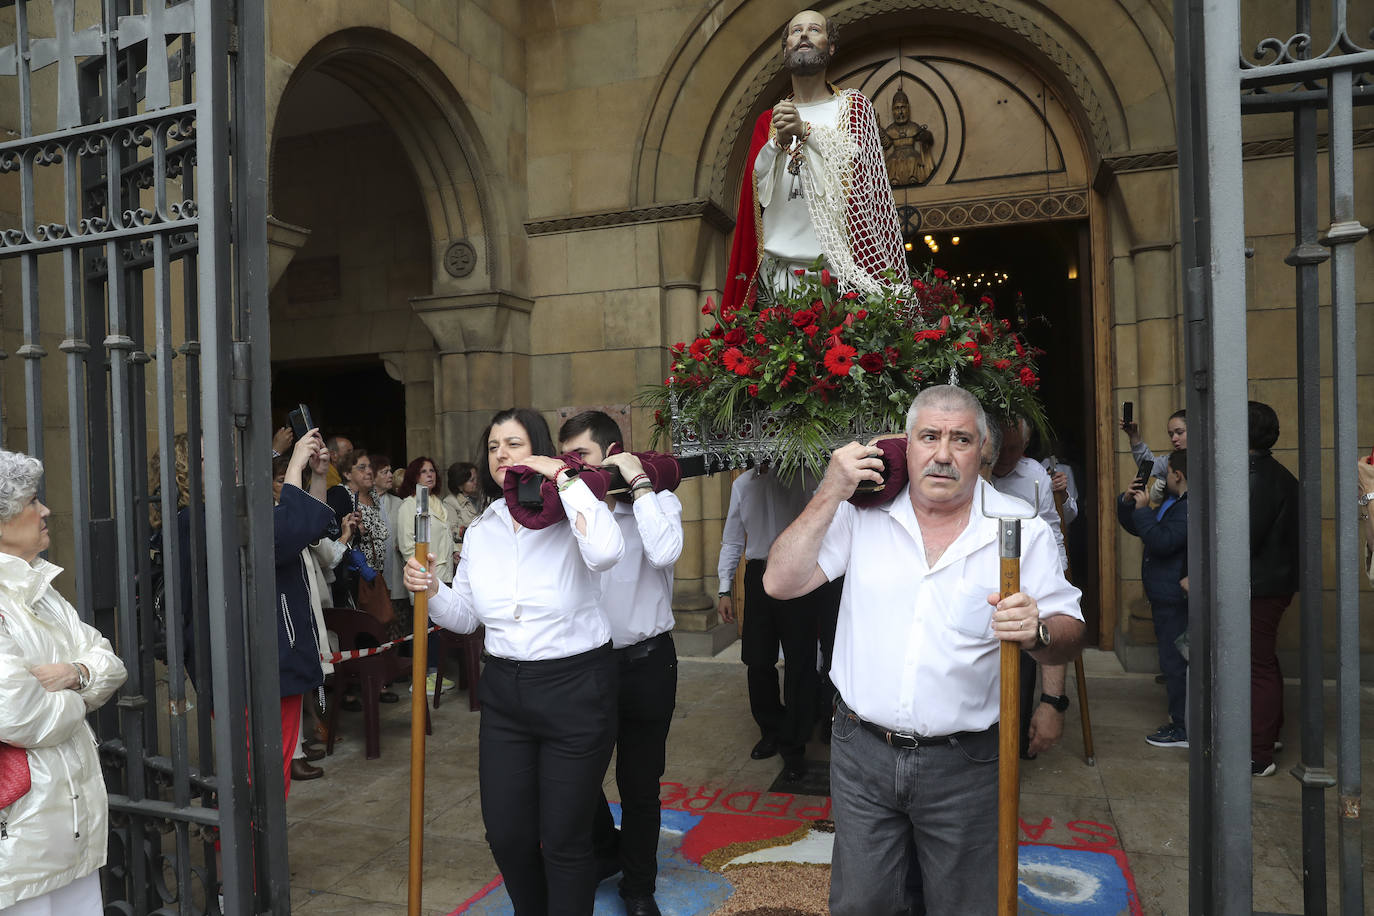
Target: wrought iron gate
(1217,84)
(137,163)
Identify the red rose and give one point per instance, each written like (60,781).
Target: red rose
(717,333)
(1020,348)
(803,318)
(892,354)
(839,359)
(708,307)
(734,337)
(851,295)
(861,314)
(1028,378)
(810,330)
(872,362)
(799,272)
(940,274)
(1002,364)
(701,348)
(760,339)
(977,359)
(917,285)
(679,347)
(753,391)
(826,279)
(944,322)
(986,300)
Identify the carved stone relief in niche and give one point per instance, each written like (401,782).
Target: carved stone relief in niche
(952,113)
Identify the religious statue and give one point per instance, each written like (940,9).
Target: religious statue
(907,146)
(815,185)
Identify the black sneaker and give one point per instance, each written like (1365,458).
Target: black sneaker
(1169,736)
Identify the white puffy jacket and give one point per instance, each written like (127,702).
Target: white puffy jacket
(57,832)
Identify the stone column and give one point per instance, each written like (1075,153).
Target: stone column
(682,247)
(483,362)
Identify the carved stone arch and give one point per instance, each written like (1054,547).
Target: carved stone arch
(1065,59)
(441,140)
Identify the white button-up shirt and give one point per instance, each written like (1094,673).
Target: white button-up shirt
(761,508)
(535,591)
(637,593)
(914,649)
(1020,482)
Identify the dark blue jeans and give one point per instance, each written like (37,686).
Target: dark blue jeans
(1171,622)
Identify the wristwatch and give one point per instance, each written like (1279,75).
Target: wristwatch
(1363,502)
(1042,637)
(724,594)
(1060,702)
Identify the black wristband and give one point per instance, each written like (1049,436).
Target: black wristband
(1060,702)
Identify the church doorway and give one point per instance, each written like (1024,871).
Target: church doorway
(347,396)
(1037,276)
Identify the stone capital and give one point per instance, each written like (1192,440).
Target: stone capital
(283,241)
(490,321)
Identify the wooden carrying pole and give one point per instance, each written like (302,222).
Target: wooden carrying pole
(419,696)
(1009,732)
(1079,677)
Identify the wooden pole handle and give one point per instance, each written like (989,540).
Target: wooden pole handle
(419,697)
(1009,759)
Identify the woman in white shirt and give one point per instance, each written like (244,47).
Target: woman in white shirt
(549,686)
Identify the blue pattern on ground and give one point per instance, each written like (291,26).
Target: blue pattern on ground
(1071,882)
(684,888)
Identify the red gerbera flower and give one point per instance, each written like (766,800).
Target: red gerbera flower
(928,334)
(839,359)
(732,358)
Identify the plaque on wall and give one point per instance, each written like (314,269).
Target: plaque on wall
(313,280)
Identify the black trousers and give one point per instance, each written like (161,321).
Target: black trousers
(793,625)
(648,693)
(546,735)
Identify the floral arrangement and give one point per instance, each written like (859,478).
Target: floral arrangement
(810,361)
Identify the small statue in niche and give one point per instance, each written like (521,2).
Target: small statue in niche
(907,146)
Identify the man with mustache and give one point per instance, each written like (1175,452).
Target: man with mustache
(817,186)
(913,754)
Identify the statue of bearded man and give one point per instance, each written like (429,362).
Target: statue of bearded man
(816,186)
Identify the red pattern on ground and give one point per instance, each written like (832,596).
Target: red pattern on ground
(718,830)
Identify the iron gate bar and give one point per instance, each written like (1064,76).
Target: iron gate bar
(1345,230)
(1306,257)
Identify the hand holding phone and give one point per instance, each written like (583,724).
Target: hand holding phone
(301,421)
(1128,412)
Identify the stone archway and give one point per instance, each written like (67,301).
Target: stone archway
(472,351)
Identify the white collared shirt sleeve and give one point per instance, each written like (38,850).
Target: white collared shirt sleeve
(602,545)
(452,607)
(731,538)
(1050,514)
(1043,578)
(833,558)
(658,517)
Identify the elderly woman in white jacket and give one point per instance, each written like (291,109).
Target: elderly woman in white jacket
(54,669)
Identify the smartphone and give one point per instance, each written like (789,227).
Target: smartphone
(1143,472)
(301,421)
(1128,412)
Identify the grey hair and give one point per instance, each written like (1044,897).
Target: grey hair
(19,476)
(949,397)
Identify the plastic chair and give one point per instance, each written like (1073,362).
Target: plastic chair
(469,663)
(358,630)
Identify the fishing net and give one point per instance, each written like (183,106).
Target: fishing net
(847,192)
